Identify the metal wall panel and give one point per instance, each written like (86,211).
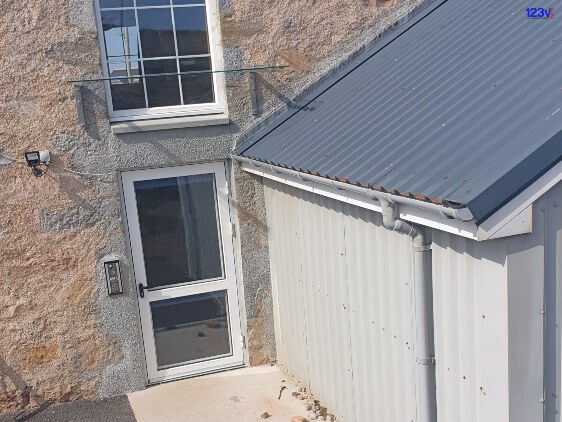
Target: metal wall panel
(534,264)
(344,304)
(553,290)
(345,313)
(470,320)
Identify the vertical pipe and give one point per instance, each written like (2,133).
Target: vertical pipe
(425,362)
(127,49)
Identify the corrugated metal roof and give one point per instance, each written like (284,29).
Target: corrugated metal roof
(461,103)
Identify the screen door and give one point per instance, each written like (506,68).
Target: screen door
(179,228)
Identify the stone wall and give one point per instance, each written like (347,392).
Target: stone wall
(62,337)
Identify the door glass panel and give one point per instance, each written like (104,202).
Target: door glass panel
(191,30)
(191,328)
(162,90)
(156,32)
(179,229)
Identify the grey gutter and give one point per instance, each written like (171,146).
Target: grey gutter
(461,214)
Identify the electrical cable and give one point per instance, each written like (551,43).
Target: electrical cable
(81,173)
(15,160)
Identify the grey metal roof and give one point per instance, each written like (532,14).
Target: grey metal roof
(461,103)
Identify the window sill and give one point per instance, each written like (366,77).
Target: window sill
(169,123)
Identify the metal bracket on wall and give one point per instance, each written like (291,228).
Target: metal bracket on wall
(79,103)
(253,94)
(77,83)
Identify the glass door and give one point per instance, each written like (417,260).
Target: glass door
(179,228)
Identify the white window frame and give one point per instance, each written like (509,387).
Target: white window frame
(220,105)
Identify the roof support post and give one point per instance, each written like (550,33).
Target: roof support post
(426,403)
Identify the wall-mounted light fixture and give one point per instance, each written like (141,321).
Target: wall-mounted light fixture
(35,159)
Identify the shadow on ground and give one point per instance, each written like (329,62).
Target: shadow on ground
(112,409)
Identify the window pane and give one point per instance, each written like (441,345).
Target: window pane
(191,30)
(179,229)
(191,328)
(126,93)
(152,2)
(120,33)
(188,1)
(116,3)
(197,88)
(164,90)
(156,33)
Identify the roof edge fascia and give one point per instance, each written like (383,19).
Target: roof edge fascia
(515,217)
(458,221)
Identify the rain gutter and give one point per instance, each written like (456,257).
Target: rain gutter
(461,214)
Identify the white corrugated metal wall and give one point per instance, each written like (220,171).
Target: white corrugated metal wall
(470,321)
(534,264)
(344,312)
(343,305)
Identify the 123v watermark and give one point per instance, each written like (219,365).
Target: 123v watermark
(540,13)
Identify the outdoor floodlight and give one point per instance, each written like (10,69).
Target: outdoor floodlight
(35,158)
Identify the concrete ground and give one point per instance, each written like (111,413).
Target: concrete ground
(240,395)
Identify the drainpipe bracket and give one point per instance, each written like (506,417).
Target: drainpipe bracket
(422,248)
(426,361)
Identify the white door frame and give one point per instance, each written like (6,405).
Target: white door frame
(228,283)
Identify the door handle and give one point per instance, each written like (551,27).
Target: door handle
(141,290)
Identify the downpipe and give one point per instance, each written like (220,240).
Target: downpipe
(425,360)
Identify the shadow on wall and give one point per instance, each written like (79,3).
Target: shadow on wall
(490,250)
(26,392)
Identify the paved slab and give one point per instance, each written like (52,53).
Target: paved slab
(240,395)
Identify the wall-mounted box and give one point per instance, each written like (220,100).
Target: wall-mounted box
(113,277)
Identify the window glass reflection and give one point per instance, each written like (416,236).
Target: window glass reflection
(162,90)
(116,3)
(188,2)
(191,30)
(120,34)
(152,2)
(179,229)
(127,92)
(192,328)
(156,32)
(198,87)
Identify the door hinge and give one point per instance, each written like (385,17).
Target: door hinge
(232,230)
(243,342)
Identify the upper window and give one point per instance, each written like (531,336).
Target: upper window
(162,40)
